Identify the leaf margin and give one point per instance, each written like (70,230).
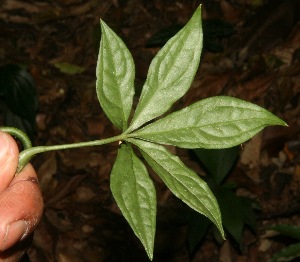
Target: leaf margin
(121,67)
(215,216)
(149,132)
(151,100)
(119,184)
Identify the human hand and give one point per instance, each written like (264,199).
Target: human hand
(21,203)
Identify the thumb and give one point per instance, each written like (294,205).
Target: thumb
(9,154)
(21,206)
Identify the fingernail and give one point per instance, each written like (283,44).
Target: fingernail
(15,232)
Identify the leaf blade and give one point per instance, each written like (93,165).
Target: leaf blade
(135,195)
(182,181)
(212,123)
(115,78)
(171,72)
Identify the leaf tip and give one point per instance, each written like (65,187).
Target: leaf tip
(150,254)
(199,9)
(280,122)
(221,230)
(103,25)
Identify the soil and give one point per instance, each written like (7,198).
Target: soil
(259,61)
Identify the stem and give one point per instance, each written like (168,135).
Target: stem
(28,153)
(18,134)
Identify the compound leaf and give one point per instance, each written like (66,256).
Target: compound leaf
(115,78)
(171,72)
(215,122)
(135,195)
(182,181)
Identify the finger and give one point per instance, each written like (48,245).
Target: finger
(21,206)
(16,253)
(9,155)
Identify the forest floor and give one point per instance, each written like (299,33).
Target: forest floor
(256,59)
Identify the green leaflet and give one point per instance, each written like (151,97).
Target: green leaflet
(171,72)
(182,181)
(216,122)
(115,78)
(135,195)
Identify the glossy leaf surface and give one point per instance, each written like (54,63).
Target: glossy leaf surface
(182,181)
(171,72)
(216,122)
(115,78)
(135,195)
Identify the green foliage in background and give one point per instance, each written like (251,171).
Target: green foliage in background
(218,163)
(292,251)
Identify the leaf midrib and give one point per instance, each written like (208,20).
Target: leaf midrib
(140,132)
(178,181)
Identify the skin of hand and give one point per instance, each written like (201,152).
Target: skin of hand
(21,202)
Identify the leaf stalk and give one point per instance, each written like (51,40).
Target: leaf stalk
(29,152)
